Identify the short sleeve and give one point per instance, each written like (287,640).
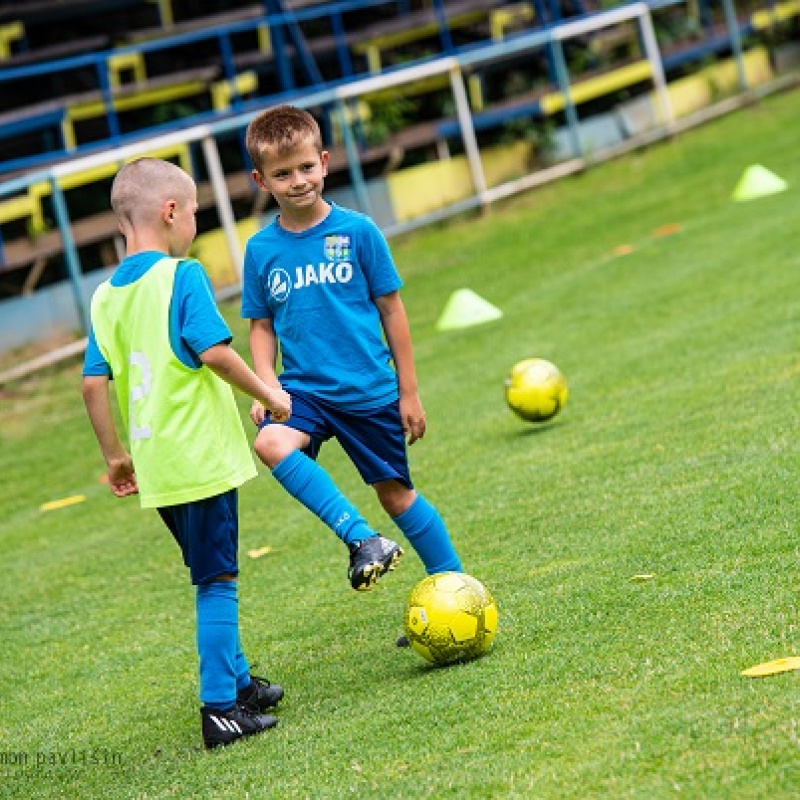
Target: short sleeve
(93,362)
(200,324)
(377,261)
(254,301)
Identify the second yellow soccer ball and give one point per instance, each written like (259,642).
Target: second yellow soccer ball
(535,390)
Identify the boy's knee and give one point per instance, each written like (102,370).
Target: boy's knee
(265,448)
(395,497)
(271,447)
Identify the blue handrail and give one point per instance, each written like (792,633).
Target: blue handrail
(277,21)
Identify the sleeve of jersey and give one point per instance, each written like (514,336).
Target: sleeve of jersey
(377,262)
(93,362)
(254,301)
(199,319)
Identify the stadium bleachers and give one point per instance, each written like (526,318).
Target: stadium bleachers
(58,97)
(130,69)
(78,76)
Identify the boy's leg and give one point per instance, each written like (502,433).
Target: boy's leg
(371,555)
(207,533)
(218,642)
(289,451)
(233,701)
(375,443)
(224,718)
(280,447)
(309,483)
(421,524)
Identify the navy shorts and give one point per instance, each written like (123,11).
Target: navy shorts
(373,439)
(207,531)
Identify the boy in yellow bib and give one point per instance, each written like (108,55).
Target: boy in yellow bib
(157,332)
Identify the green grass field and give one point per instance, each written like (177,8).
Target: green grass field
(677,455)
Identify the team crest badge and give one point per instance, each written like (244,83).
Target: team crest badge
(337,248)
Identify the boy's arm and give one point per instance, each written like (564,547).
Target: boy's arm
(398,337)
(232,368)
(264,349)
(121,475)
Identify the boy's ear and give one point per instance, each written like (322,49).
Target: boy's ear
(168,211)
(324,157)
(259,179)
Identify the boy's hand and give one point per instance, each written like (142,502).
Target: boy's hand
(280,404)
(258,413)
(122,478)
(413,417)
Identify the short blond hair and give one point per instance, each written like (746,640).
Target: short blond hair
(141,187)
(281,128)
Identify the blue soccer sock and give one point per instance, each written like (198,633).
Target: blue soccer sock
(218,643)
(425,529)
(307,482)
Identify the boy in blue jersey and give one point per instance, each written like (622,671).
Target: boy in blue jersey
(320,283)
(157,332)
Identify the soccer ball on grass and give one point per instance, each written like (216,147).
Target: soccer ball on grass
(535,390)
(450,617)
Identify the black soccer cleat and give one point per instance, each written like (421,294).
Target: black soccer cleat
(225,727)
(370,559)
(260,695)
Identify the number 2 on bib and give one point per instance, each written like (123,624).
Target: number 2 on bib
(138,392)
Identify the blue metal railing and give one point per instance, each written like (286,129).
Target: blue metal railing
(283,25)
(333,97)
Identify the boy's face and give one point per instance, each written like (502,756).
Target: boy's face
(295,178)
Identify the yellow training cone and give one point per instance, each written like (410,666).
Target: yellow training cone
(465,308)
(758,181)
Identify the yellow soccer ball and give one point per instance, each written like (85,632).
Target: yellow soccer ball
(535,390)
(450,616)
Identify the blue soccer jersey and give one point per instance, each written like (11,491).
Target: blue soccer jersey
(195,323)
(318,287)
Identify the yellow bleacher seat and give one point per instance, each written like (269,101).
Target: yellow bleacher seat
(780,12)
(375,44)
(119,63)
(131,97)
(23,207)
(165,12)
(513,15)
(598,86)
(222,91)
(265,40)
(10,32)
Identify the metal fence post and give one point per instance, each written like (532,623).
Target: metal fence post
(562,73)
(468,132)
(353,158)
(70,253)
(224,207)
(736,41)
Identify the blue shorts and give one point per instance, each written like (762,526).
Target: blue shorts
(373,440)
(207,531)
